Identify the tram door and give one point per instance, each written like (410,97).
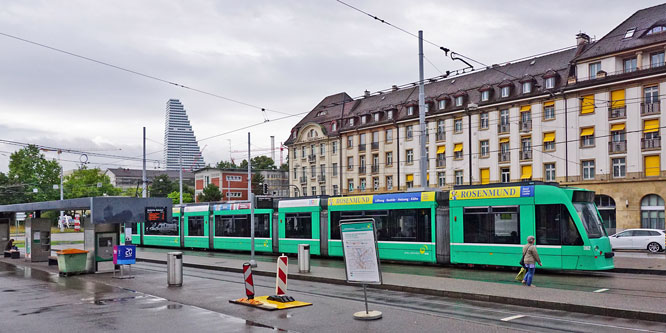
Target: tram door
(443,234)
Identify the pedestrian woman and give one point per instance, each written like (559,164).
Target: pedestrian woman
(531,258)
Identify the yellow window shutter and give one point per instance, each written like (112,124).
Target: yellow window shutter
(549,103)
(549,137)
(587,131)
(617,127)
(527,172)
(458,147)
(504,140)
(587,104)
(617,98)
(410,178)
(441,149)
(428,176)
(650,126)
(525,108)
(652,165)
(485,176)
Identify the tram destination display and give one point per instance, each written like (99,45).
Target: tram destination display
(359,246)
(155,214)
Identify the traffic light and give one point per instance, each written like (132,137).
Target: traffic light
(265,188)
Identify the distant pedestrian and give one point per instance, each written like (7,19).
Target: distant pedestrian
(531,257)
(10,246)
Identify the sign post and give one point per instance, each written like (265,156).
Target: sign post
(359,248)
(124,255)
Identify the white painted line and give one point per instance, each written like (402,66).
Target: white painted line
(600,290)
(512,317)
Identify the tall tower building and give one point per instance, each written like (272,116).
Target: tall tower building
(178,135)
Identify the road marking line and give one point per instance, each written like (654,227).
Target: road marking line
(512,317)
(600,290)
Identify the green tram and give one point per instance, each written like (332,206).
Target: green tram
(478,225)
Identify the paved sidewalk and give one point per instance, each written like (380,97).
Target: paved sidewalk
(614,305)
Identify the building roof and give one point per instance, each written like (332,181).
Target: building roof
(329,109)
(138,173)
(615,41)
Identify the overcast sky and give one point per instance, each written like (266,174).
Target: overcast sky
(281,55)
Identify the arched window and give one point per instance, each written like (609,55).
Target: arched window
(606,206)
(652,212)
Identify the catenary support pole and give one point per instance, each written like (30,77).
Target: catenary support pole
(423,162)
(250,196)
(180,172)
(144,189)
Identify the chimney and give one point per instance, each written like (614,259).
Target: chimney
(582,38)
(366,93)
(394,87)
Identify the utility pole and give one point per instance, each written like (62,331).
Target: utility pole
(143,174)
(62,213)
(180,172)
(423,164)
(250,196)
(273,148)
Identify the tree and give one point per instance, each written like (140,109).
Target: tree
(257,184)
(175,197)
(162,186)
(284,167)
(210,193)
(259,163)
(226,165)
(34,174)
(132,192)
(88,183)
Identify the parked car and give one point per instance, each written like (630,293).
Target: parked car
(651,239)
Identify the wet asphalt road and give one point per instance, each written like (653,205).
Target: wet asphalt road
(31,300)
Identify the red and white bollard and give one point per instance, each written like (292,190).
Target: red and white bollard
(249,283)
(281,277)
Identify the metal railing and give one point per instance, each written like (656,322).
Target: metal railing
(374,168)
(617,146)
(526,154)
(653,143)
(312,158)
(649,108)
(504,156)
(361,169)
(525,126)
(617,113)
(374,145)
(503,128)
(441,163)
(321,178)
(361,147)
(304,179)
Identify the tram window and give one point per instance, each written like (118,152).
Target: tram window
(298,225)
(491,225)
(399,225)
(239,225)
(195,226)
(588,214)
(554,226)
(133,226)
(169,228)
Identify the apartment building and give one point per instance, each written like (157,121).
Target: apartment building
(231,182)
(589,116)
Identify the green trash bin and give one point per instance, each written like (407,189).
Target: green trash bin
(72,261)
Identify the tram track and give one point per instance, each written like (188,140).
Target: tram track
(473,311)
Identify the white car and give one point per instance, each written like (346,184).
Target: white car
(639,239)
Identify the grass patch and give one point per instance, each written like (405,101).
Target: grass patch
(21,244)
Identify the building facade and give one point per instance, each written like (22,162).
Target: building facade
(590,116)
(277,183)
(179,140)
(232,183)
(131,178)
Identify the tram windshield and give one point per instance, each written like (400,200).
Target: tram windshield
(590,217)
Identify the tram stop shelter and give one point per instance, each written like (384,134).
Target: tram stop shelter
(102,227)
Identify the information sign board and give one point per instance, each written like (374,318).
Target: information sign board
(124,254)
(359,248)
(156,214)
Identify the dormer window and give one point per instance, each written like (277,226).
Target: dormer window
(334,126)
(656,30)
(376,115)
(630,33)
(351,121)
(485,95)
(459,100)
(410,110)
(527,87)
(427,107)
(504,92)
(442,104)
(363,119)
(321,113)
(550,83)
(389,114)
